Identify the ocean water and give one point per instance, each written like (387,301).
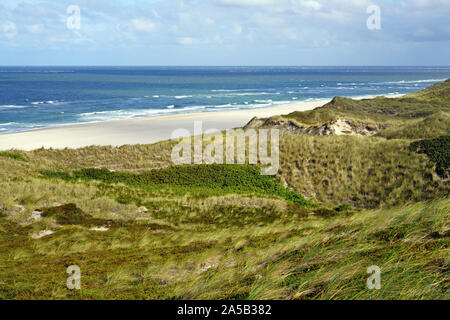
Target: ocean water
(41,97)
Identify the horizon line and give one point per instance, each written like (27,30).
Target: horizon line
(236,66)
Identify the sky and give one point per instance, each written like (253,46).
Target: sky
(225,32)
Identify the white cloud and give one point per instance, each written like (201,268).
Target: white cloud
(35,28)
(185,40)
(156,14)
(215,26)
(245,3)
(219,39)
(210,21)
(429,3)
(143,25)
(310,4)
(290,34)
(237,28)
(8,29)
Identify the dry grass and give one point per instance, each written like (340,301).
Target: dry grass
(302,258)
(365,172)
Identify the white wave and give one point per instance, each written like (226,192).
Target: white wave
(394,95)
(257,106)
(246,94)
(225,90)
(97,112)
(171,106)
(281,102)
(343,88)
(372,96)
(315,99)
(410,81)
(155,96)
(429,80)
(132,113)
(11,106)
(30,71)
(235,90)
(238,94)
(8,124)
(45,102)
(193,108)
(182,97)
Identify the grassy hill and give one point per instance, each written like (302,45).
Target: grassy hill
(386,117)
(358,151)
(361,183)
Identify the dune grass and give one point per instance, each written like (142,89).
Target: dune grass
(364,172)
(287,258)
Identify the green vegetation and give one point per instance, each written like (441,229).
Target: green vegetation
(437,124)
(308,257)
(370,165)
(378,110)
(202,179)
(420,115)
(141,228)
(438,150)
(439,92)
(13,155)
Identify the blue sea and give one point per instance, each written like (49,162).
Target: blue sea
(41,97)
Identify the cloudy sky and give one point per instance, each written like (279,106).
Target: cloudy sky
(224,32)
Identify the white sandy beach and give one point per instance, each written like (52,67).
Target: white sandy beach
(141,130)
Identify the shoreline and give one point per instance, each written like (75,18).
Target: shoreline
(140,130)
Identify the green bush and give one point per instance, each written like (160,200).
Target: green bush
(438,150)
(57,175)
(195,178)
(14,156)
